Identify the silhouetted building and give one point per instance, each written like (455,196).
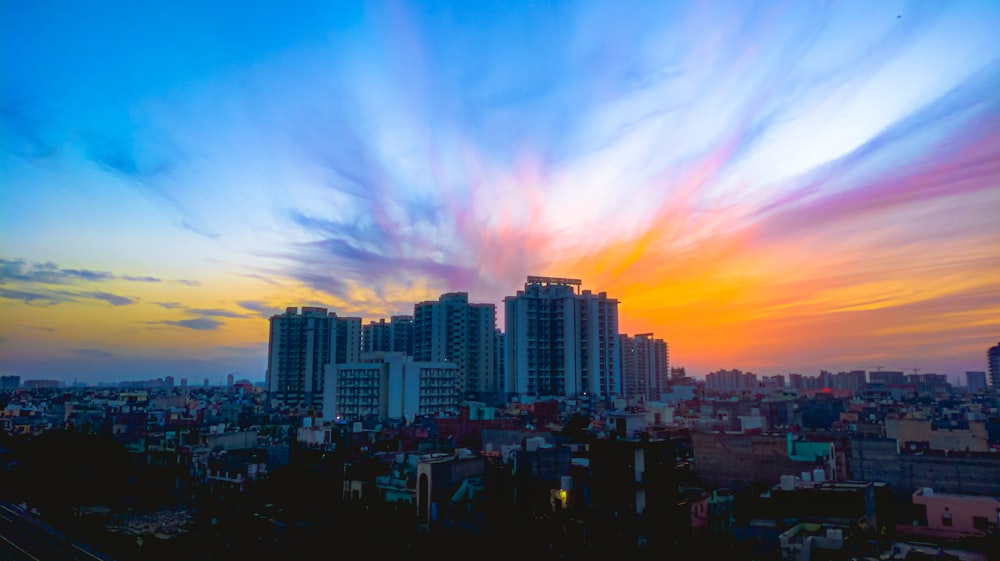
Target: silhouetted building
(9,383)
(634,497)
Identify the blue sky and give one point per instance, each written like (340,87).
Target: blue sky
(775,186)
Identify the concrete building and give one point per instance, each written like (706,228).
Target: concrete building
(925,434)
(975,381)
(389,386)
(993,362)
(452,330)
(9,383)
(396,335)
(645,367)
(561,342)
(300,346)
(375,337)
(401,334)
(947,515)
(737,460)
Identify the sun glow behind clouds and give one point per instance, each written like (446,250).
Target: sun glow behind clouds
(769,186)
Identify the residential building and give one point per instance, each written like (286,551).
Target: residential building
(561,342)
(301,344)
(9,383)
(396,335)
(644,365)
(385,386)
(993,360)
(975,381)
(948,515)
(452,330)
(375,337)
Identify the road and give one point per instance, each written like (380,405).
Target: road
(24,538)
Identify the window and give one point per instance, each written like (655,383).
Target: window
(946,519)
(980,523)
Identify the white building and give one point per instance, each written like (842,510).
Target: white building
(389,386)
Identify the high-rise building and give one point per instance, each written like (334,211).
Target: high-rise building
(9,383)
(975,381)
(401,334)
(500,360)
(644,366)
(300,345)
(560,341)
(451,329)
(993,360)
(375,337)
(396,335)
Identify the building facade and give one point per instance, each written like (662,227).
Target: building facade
(561,342)
(396,335)
(975,381)
(389,385)
(645,366)
(993,360)
(453,330)
(301,344)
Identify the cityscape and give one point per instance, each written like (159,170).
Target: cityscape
(548,280)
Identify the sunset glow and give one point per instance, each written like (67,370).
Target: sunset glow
(777,187)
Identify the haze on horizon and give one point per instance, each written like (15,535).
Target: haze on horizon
(776,187)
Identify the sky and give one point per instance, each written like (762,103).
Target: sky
(776,186)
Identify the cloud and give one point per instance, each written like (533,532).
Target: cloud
(208,312)
(25,272)
(49,297)
(200,231)
(215,312)
(113,299)
(260,308)
(198,324)
(47,273)
(45,298)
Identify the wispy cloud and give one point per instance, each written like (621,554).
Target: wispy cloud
(44,298)
(198,324)
(47,273)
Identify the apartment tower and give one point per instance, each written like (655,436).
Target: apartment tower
(561,342)
(301,343)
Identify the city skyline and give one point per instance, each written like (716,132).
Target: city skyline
(775,187)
